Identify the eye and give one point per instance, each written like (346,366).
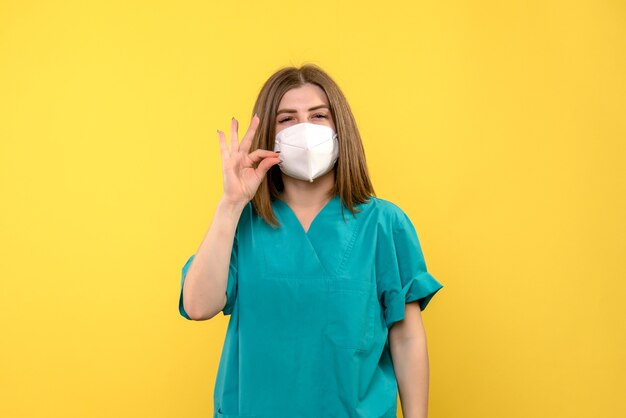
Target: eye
(320,115)
(284,119)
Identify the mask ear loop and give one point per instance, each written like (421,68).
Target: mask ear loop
(336,153)
(277,148)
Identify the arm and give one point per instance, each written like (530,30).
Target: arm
(407,342)
(204,289)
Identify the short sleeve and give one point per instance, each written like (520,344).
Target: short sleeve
(231,286)
(401,272)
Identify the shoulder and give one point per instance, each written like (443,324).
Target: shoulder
(387,211)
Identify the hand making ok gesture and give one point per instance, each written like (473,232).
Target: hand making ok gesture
(241,177)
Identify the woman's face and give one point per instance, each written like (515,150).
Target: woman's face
(304,104)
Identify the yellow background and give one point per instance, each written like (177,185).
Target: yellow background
(498,126)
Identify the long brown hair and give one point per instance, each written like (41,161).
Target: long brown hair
(352,180)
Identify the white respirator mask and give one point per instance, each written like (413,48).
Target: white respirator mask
(307,150)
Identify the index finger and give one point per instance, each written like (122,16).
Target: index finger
(246,142)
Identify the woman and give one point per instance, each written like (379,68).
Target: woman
(325,305)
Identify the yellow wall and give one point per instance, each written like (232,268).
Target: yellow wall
(498,126)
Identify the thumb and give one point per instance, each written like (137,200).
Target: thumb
(265,165)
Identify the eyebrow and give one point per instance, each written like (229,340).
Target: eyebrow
(295,111)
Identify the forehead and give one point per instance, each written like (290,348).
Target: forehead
(303,97)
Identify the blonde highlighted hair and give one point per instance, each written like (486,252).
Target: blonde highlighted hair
(352,180)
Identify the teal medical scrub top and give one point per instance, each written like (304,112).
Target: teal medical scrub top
(310,312)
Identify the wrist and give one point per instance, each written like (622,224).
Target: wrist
(230,207)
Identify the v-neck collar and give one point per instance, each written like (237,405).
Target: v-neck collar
(327,207)
(324,249)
